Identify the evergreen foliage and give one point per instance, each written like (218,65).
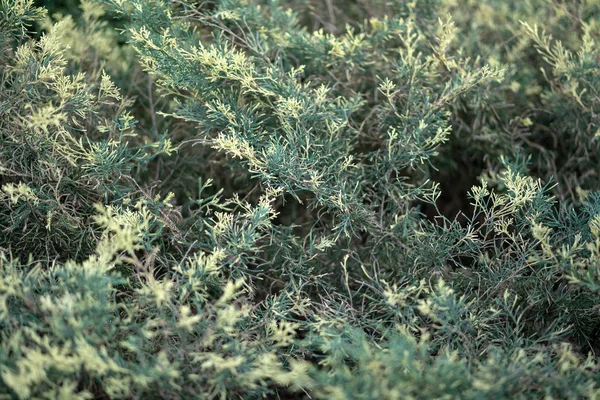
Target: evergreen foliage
(239,199)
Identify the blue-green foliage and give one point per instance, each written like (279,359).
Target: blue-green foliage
(299,199)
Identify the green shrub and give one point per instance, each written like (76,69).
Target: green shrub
(276,199)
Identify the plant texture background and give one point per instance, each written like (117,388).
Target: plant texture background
(309,199)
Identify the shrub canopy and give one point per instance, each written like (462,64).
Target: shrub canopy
(239,199)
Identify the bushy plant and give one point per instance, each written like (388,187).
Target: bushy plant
(276,199)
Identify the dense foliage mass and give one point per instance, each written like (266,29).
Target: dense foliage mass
(240,199)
